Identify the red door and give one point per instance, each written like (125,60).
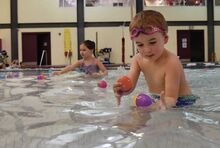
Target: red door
(36,48)
(190,45)
(29,48)
(183,45)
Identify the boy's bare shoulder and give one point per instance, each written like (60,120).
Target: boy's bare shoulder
(173,61)
(136,57)
(172,56)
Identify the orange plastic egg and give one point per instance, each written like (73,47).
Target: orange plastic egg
(126,83)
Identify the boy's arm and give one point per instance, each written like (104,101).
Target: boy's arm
(168,96)
(134,71)
(133,74)
(172,83)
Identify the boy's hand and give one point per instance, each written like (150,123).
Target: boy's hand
(122,86)
(162,103)
(117,88)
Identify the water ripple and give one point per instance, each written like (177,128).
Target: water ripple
(197,118)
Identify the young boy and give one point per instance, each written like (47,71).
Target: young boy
(162,69)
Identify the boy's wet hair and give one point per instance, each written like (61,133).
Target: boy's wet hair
(89,44)
(147,18)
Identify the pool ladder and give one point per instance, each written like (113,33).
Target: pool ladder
(42,56)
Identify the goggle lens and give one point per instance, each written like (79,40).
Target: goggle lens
(147,31)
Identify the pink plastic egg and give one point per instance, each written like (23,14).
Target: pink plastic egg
(102,84)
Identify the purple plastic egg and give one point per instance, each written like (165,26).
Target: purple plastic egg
(41,77)
(143,100)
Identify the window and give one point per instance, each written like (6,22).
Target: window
(67,3)
(111,3)
(217,2)
(174,2)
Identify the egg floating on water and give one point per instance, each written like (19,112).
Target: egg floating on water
(41,77)
(102,84)
(143,100)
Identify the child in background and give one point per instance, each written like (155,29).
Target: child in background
(15,64)
(22,65)
(88,64)
(162,69)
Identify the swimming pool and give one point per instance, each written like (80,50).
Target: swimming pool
(70,111)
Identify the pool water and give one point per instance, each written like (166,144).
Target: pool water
(70,111)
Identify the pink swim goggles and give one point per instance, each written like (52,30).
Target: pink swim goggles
(147,31)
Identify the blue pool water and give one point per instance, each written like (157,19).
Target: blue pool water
(70,111)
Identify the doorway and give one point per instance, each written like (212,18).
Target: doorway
(190,45)
(36,48)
